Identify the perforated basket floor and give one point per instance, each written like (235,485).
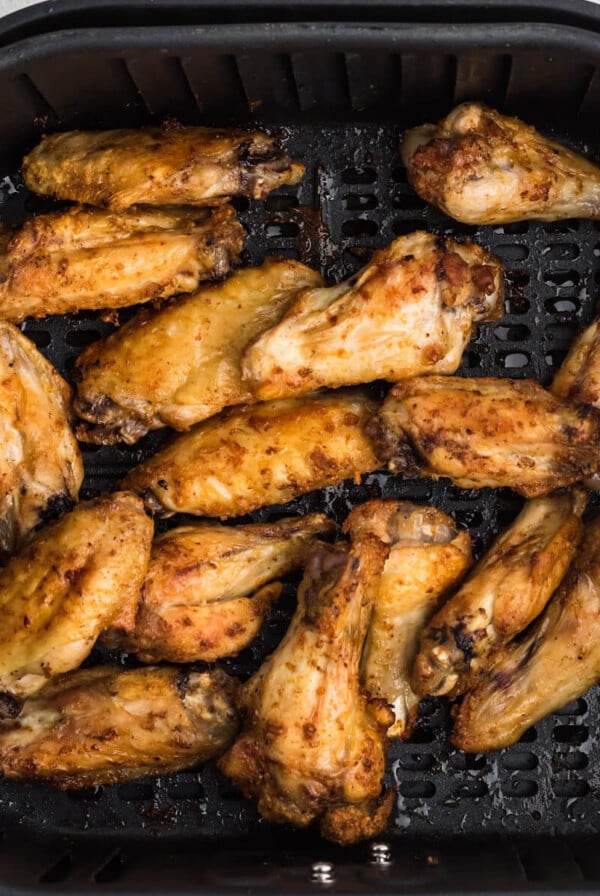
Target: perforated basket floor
(549,782)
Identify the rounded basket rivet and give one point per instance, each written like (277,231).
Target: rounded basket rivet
(322,873)
(381,854)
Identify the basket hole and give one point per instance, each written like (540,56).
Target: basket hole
(562,279)
(359,176)
(570,789)
(86,793)
(515,333)
(516,303)
(528,737)
(409,202)
(574,708)
(416,762)
(468,762)
(561,252)
(511,252)
(574,735)
(417,790)
(81,338)
(422,735)
(518,278)
(110,870)
(403,228)
(513,360)
(135,791)
(518,788)
(359,227)
(281,203)
(277,229)
(41,338)
(571,225)
(470,790)
(185,790)
(562,333)
(471,360)
(517,227)
(398,175)
(562,306)
(57,872)
(519,762)
(555,359)
(354,202)
(571,760)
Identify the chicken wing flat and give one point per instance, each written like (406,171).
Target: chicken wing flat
(104,725)
(40,465)
(410,311)
(578,379)
(249,457)
(487,432)
(77,577)
(506,591)
(91,259)
(481,167)
(209,587)
(182,363)
(312,744)
(158,166)
(428,555)
(556,662)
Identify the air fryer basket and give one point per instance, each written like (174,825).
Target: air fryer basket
(340,94)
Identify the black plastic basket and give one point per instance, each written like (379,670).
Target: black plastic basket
(341,81)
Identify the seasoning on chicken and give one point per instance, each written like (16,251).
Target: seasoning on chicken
(410,311)
(507,590)
(312,744)
(427,556)
(104,725)
(263,454)
(79,576)
(180,364)
(481,167)
(578,379)
(556,662)
(41,467)
(209,587)
(487,432)
(158,166)
(86,258)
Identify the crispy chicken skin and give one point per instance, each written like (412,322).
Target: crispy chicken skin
(209,587)
(268,453)
(487,432)
(481,167)
(158,166)
(77,577)
(507,590)
(410,311)
(181,364)
(312,744)
(578,379)
(105,725)
(428,555)
(86,258)
(40,465)
(557,661)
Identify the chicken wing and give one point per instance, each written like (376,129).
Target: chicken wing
(506,591)
(209,587)
(410,311)
(481,167)
(40,465)
(428,555)
(181,364)
(158,166)
(262,454)
(312,744)
(104,725)
(487,432)
(89,259)
(578,380)
(77,577)
(556,662)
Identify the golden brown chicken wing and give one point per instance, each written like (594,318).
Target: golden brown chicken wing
(89,259)
(40,465)
(312,744)
(158,166)
(181,364)
(263,454)
(79,575)
(555,663)
(578,380)
(507,590)
(410,311)
(481,167)
(209,587)
(104,725)
(428,555)
(487,432)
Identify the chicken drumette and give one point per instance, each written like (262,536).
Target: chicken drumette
(86,258)
(41,467)
(104,725)
(578,380)
(487,432)
(427,556)
(180,364)
(313,745)
(410,311)
(209,587)
(158,166)
(481,167)
(509,587)
(557,661)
